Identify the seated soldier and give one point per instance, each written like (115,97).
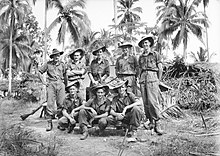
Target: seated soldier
(125,108)
(71,106)
(95,110)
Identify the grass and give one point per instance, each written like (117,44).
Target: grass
(180,139)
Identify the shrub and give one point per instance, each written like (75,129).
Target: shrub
(18,141)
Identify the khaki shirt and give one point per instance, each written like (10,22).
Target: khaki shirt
(127,66)
(118,103)
(148,64)
(55,72)
(99,69)
(73,66)
(100,107)
(71,103)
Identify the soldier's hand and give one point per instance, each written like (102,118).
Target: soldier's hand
(119,116)
(72,113)
(72,121)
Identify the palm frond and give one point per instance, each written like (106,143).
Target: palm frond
(173,111)
(74,31)
(62,32)
(177,40)
(53,24)
(137,9)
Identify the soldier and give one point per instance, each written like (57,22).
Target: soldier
(96,110)
(76,70)
(70,108)
(126,67)
(125,108)
(56,80)
(150,75)
(99,69)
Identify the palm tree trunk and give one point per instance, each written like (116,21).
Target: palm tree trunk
(184,53)
(10,56)
(207,40)
(45,49)
(115,20)
(45,34)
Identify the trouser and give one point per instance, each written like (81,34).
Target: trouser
(64,121)
(150,95)
(55,97)
(132,117)
(86,115)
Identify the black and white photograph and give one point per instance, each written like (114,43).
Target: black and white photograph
(109,78)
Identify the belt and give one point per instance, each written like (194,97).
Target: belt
(126,74)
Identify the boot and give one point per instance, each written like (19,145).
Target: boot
(85,132)
(157,130)
(50,125)
(71,127)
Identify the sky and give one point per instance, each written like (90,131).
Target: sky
(101,13)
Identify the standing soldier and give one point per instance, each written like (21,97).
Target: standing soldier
(76,69)
(56,80)
(150,75)
(126,67)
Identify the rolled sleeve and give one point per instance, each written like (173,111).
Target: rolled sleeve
(43,68)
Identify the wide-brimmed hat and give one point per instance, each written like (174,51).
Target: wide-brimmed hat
(149,38)
(74,83)
(117,84)
(126,44)
(98,47)
(94,88)
(54,52)
(82,52)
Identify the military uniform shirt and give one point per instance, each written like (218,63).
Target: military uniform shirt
(71,103)
(73,66)
(126,66)
(55,71)
(97,69)
(118,104)
(148,64)
(101,108)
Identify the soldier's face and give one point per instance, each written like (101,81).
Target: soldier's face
(56,57)
(100,93)
(126,50)
(99,53)
(146,44)
(122,89)
(73,90)
(77,56)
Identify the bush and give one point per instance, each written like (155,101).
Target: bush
(18,141)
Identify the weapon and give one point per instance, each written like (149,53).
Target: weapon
(25,116)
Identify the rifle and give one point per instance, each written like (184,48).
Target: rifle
(25,116)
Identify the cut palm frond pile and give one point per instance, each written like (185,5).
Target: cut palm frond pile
(196,86)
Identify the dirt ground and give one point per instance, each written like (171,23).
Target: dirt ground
(183,136)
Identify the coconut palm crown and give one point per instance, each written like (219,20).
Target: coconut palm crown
(72,19)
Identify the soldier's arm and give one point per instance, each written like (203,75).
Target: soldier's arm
(40,72)
(160,71)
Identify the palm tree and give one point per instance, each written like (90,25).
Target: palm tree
(200,56)
(12,13)
(183,20)
(48,4)
(128,14)
(71,19)
(20,49)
